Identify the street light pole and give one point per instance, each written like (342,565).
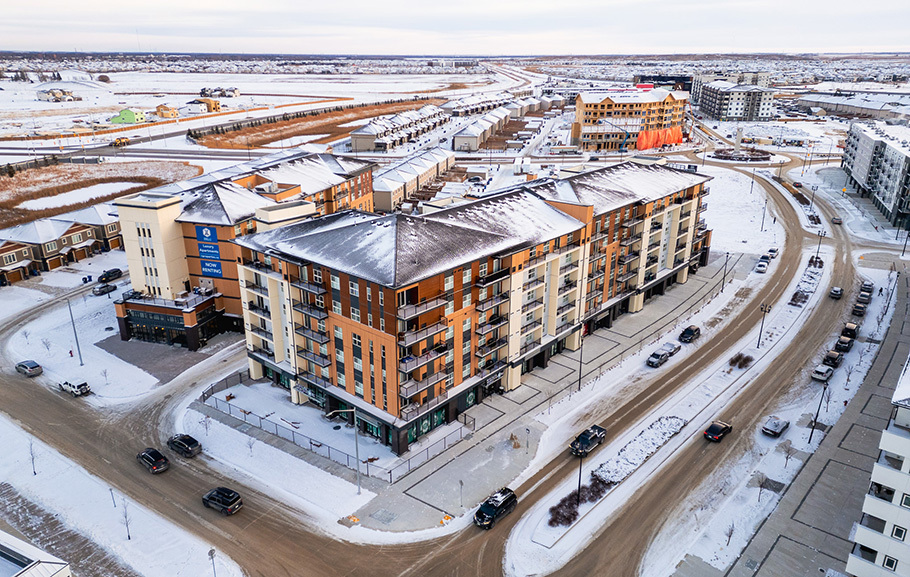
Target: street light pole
(356,440)
(724,282)
(817,411)
(75,335)
(212,557)
(581,352)
(763,210)
(765,309)
(822,234)
(578,492)
(752,184)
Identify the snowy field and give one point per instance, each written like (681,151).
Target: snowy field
(823,136)
(735,209)
(76,196)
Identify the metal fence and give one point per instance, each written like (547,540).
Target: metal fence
(289,433)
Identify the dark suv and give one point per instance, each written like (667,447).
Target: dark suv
(184,445)
(499,504)
(225,500)
(153,460)
(110,275)
(689,334)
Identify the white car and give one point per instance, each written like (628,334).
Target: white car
(761,268)
(822,373)
(773,251)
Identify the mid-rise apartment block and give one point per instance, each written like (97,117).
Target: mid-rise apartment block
(182,265)
(628,120)
(762,79)
(727,101)
(411,319)
(881,546)
(877,162)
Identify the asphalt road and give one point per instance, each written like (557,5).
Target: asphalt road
(270,539)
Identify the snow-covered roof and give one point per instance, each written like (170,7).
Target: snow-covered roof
(95,215)
(223,203)
(638,96)
(37,232)
(724,86)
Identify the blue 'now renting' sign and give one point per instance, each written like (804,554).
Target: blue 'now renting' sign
(211,268)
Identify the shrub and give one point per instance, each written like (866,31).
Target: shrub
(744,361)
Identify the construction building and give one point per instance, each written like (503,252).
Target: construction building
(411,319)
(622,121)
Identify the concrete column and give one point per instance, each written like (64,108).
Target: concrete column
(636,302)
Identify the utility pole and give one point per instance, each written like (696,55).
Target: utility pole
(724,282)
(581,352)
(765,309)
(75,335)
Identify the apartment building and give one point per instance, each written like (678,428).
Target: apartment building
(728,101)
(877,162)
(413,319)
(762,79)
(880,539)
(628,120)
(181,261)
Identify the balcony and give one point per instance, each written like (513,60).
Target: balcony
(627,276)
(631,222)
(315,380)
(262,333)
(261,354)
(255,264)
(685,215)
(411,412)
(411,387)
(262,311)
(565,308)
(493,301)
(491,347)
(410,311)
(652,260)
(408,338)
(492,278)
(529,347)
(491,367)
(525,329)
(680,246)
(317,313)
(409,363)
(627,258)
(316,336)
(321,360)
(564,327)
(596,274)
(256,288)
(566,268)
(533,284)
(656,226)
(494,323)
(532,305)
(308,287)
(654,245)
(567,287)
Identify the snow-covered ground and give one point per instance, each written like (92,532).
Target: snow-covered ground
(76,196)
(735,210)
(821,137)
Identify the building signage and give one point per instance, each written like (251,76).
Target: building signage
(206,233)
(211,268)
(209,250)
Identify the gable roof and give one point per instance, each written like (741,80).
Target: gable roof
(223,203)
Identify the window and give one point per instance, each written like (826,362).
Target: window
(369,294)
(354,288)
(890,563)
(317,275)
(25,254)
(465,371)
(341,380)
(466,347)
(450,356)
(450,333)
(355,314)
(483,269)
(466,276)
(336,282)
(320,302)
(482,294)
(358,364)
(339,355)
(466,300)
(905,500)
(450,308)
(355,339)
(338,333)
(52,245)
(380,297)
(336,307)
(381,323)
(898,532)
(9,258)
(449,282)
(370,319)
(466,325)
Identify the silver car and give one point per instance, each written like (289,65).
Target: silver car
(775,426)
(29,368)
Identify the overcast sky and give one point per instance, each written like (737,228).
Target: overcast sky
(482,27)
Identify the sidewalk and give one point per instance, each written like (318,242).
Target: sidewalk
(808,533)
(506,436)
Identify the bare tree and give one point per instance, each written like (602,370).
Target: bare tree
(760,479)
(206,422)
(250,442)
(31,454)
(827,395)
(127,518)
(789,452)
(849,370)
(104,374)
(47,344)
(25,334)
(729,532)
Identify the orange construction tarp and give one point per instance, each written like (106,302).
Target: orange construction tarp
(656,138)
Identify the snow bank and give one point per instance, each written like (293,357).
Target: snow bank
(637,451)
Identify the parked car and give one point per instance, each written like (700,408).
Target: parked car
(185,445)
(765,258)
(670,348)
(497,505)
(867,286)
(717,431)
(836,292)
(109,275)
(225,500)
(153,460)
(775,426)
(859,310)
(588,440)
(822,373)
(74,389)
(837,220)
(689,334)
(29,368)
(843,344)
(103,289)
(833,359)
(850,330)
(761,267)
(864,297)
(773,251)
(658,358)
(797,185)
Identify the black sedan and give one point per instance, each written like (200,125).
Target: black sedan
(717,431)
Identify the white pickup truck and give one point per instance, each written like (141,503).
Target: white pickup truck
(75,390)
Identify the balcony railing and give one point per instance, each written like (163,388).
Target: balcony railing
(525,329)
(684,215)
(490,368)
(627,276)
(567,287)
(529,346)
(703,207)
(321,360)
(491,347)
(317,336)
(308,287)
(630,240)
(409,363)
(264,291)
(255,264)
(493,301)
(262,333)
(257,351)
(408,338)
(262,311)
(568,267)
(494,323)
(652,260)
(631,222)
(565,307)
(316,380)
(627,258)
(311,310)
(410,311)
(411,387)
(492,278)
(533,284)
(564,327)
(596,274)
(412,411)
(529,306)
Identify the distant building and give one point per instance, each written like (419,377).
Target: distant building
(727,101)
(387,132)
(104,222)
(15,262)
(476,104)
(762,79)
(129,116)
(54,242)
(165,111)
(211,105)
(193,107)
(877,162)
(667,81)
(21,559)
(643,119)
(392,184)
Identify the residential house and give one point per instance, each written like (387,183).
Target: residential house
(129,116)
